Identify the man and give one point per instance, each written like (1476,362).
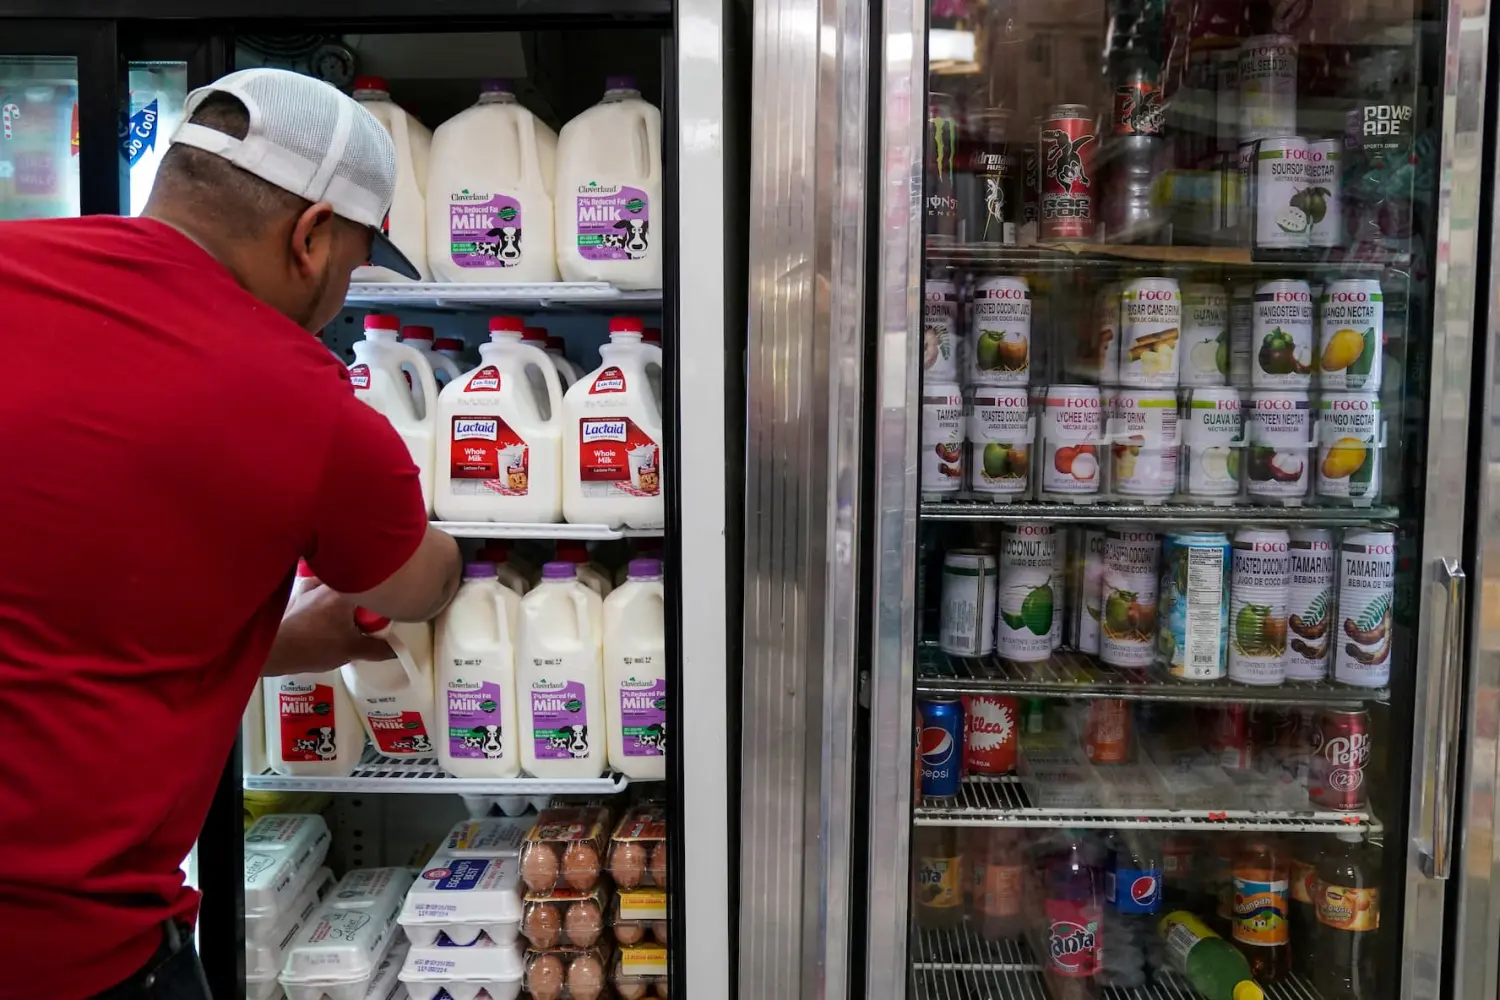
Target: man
(174,440)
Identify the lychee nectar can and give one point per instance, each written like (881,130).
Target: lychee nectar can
(1072,430)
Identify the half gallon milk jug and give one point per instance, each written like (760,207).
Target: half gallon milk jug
(444,368)
(489,205)
(537,337)
(311,725)
(476,679)
(377,378)
(567,369)
(590,574)
(453,349)
(501,458)
(253,733)
(635,673)
(394,697)
(609,206)
(559,679)
(612,468)
(406,224)
(511,573)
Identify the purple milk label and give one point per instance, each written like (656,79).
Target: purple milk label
(559,720)
(614,222)
(474,720)
(485,229)
(643,716)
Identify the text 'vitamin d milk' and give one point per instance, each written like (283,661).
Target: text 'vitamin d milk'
(489,205)
(612,462)
(379,379)
(406,223)
(394,698)
(559,678)
(311,725)
(476,678)
(609,191)
(635,673)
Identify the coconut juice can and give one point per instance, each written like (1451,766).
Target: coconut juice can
(1072,429)
(1278,185)
(1060,556)
(1087,610)
(1351,336)
(1260,584)
(999,348)
(1150,330)
(940,331)
(1277,435)
(1350,432)
(1321,199)
(942,465)
(999,430)
(1310,605)
(1367,591)
(1129,592)
(1205,335)
(1193,605)
(1144,444)
(1212,441)
(1027,591)
(1281,334)
(1268,86)
(966,614)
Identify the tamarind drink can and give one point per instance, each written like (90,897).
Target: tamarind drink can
(942,436)
(1129,593)
(1310,605)
(1258,592)
(940,331)
(1367,591)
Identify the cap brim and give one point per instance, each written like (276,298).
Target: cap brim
(383,253)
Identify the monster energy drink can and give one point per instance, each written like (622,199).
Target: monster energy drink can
(940,203)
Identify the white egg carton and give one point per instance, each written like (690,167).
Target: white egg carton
(462,898)
(281,853)
(268,928)
(463,971)
(370,889)
(500,837)
(339,951)
(263,958)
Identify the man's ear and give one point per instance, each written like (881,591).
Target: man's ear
(312,238)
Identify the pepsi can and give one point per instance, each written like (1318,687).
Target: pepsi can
(941,749)
(1134,885)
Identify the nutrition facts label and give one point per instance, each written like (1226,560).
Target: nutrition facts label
(1204,625)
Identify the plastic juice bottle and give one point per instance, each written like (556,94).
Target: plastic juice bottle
(1073,916)
(476,678)
(1215,968)
(489,209)
(567,369)
(406,224)
(502,451)
(378,379)
(609,191)
(1262,909)
(998,872)
(1348,914)
(559,677)
(635,673)
(612,446)
(444,368)
(394,697)
(590,573)
(453,349)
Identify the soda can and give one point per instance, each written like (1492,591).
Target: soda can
(1277,197)
(1267,87)
(1337,780)
(1212,436)
(939,331)
(942,465)
(941,201)
(1260,583)
(1193,605)
(1205,335)
(1241,332)
(1310,605)
(1000,430)
(1278,433)
(993,723)
(1129,596)
(966,616)
(1367,572)
(941,748)
(1351,336)
(1029,592)
(1088,605)
(1351,434)
(1282,335)
(1066,165)
(1106,734)
(989,180)
(1150,330)
(1072,428)
(1322,199)
(1233,742)
(1143,443)
(1000,340)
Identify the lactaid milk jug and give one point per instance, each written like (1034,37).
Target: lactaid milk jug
(445,368)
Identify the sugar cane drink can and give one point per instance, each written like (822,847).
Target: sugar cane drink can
(1150,330)
(1143,443)
(1067,170)
(1311,604)
(966,615)
(1367,576)
(1129,596)
(1029,591)
(1259,587)
(1193,605)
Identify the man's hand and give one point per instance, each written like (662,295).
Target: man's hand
(318,633)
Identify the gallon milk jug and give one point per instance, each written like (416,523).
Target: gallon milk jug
(567,369)
(311,726)
(536,336)
(476,679)
(377,378)
(444,368)
(394,697)
(609,191)
(406,224)
(612,468)
(453,349)
(559,679)
(253,733)
(635,674)
(489,205)
(590,574)
(501,458)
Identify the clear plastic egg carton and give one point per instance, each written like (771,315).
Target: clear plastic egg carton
(464,972)
(568,973)
(565,849)
(641,971)
(342,949)
(463,898)
(638,915)
(566,917)
(638,848)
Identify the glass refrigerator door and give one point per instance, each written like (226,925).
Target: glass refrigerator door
(1185,568)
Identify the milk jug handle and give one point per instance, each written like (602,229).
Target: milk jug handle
(379,627)
(423,368)
(585,620)
(502,621)
(651,355)
(651,125)
(531,164)
(543,361)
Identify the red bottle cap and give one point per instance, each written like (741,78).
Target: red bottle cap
(369,622)
(382,321)
(417,333)
(371,83)
(535,334)
(507,324)
(625,324)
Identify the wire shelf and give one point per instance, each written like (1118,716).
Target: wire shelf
(1004,802)
(1104,257)
(1012,984)
(458,295)
(1071,674)
(570,532)
(422,776)
(961,948)
(1175,514)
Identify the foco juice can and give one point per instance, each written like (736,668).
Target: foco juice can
(1060,556)
(1205,335)
(1322,199)
(1150,329)
(1000,431)
(1241,332)
(1000,342)
(1268,86)
(1129,596)
(1193,605)
(940,331)
(1350,428)
(1310,605)
(1282,335)
(1277,434)
(1259,587)
(1351,336)
(1278,186)
(942,466)
(1104,351)
(1027,592)
(1144,444)
(966,615)
(1212,440)
(1088,606)
(1367,577)
(1072,428)
(1066,166)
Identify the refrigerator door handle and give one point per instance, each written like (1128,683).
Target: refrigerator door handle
(1437,856)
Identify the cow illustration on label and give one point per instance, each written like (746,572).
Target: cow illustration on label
(486,454)
(474,728)
(614,222)
(484,230)
(399,732)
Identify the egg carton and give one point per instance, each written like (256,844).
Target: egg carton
(383,983)
(263,958)
(463,972)
(498,837)
(640,970)
(638,848)
(568,973)
(639,913)
(281,854)
(342,947)
(462,898)
(565,917)
(565,848)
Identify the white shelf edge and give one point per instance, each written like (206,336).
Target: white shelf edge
(438,785)
(570,532)
(446,295)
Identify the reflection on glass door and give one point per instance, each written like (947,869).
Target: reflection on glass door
(38,137)
(157,93)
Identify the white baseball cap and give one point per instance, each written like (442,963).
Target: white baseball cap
(313,140)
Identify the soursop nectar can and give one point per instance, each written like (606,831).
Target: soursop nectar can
(1278,194)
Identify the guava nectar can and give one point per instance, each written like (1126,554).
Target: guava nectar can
(1129,596)
(1028,591)
(1205,336)
(1311,605)
(966,614)
(1193,605)
(1258,592)
(1212,442)
(1067,174)
(999,348)
(1000,432)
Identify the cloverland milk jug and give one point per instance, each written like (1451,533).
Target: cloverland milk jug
(378,380)
(612,463)
(253,733)
(559,678)
(489,203)
(635,673)
(406,223)
(476,678)
(609,191)
(394,697)
(444,367)
(501,432)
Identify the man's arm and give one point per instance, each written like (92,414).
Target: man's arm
(318,633)
(423,585)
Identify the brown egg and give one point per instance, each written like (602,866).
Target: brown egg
(545,977)
(629,931)
(585,978)
(632,990)
(661,988)
(539,867)
(659,863)
(659,930)
(580,865)
(628,864)
(583,923)
(541,926)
